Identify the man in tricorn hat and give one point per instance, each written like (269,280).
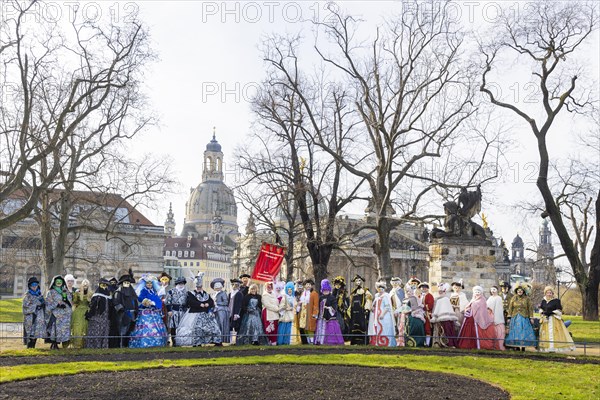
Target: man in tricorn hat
(245,278)
(360,305)
(125,301)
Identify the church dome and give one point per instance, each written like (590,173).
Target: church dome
(208,199)
(213,146)
(517,241)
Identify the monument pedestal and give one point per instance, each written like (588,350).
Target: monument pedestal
(469,259)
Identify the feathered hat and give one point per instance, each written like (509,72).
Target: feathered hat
(198,279)
(522,285)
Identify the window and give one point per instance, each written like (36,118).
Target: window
(176,245)
(188,245)
(197,263)
(179,253)
(7,280)
(192,254)
(186,253)
(167,253)
(185,264)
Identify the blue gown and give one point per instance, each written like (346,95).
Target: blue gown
(149,328)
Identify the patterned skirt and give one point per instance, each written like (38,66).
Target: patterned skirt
(97,332)
(251,330)
(149,330)
(520,333)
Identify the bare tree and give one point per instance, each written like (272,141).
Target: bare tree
(75,100)
(407,95)
(547,37)
(305,183)
(57,86)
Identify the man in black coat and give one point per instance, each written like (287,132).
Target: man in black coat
(235,304)
(245,278)
(125,301)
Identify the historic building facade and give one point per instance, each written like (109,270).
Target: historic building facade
(131,241)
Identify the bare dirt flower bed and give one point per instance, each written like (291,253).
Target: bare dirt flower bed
(283,382)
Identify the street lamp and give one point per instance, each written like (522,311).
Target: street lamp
(413,251)
(558,271)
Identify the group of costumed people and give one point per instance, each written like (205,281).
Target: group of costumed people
(118,315)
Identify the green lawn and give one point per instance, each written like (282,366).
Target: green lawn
(11,310)
(583,330)
(553,380)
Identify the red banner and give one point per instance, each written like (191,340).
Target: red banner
(268,262)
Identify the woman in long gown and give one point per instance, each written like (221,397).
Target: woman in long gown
(221,308)
(34,313)
(59,304)
(477,331)
(199,325)
(328,331)
(98,316)
(554,335)
(520,312)
(79,325)
(382,331)
(287,311)
(494,303)
(414,325)
(444,319)
(150,330)
(251,328)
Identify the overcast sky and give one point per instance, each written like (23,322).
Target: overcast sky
(210,63)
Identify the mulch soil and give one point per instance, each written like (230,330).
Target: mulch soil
(282,382)
(212,352)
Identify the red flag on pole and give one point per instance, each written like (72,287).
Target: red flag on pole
(268,262)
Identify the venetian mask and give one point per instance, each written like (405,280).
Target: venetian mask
(103,286)
(126,284)
(164,281)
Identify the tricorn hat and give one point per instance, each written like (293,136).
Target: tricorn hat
(504,284)
(104,281)
(164,275)
(245,276)
(339,280)
(413,281)
(426,284)
(309,280)
(458,283)
(179,280)
(126,278)
(357,276)
(31,280)
(235,280)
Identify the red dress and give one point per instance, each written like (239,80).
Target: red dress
(478,330)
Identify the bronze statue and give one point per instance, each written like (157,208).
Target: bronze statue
(458,216)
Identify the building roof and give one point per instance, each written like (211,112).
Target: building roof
(84,201)
(213,145)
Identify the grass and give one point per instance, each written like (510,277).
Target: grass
(11,310)
(523,379)
(588,331)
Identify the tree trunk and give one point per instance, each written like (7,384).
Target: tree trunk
(382,250)
(590,295)
(320,271)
